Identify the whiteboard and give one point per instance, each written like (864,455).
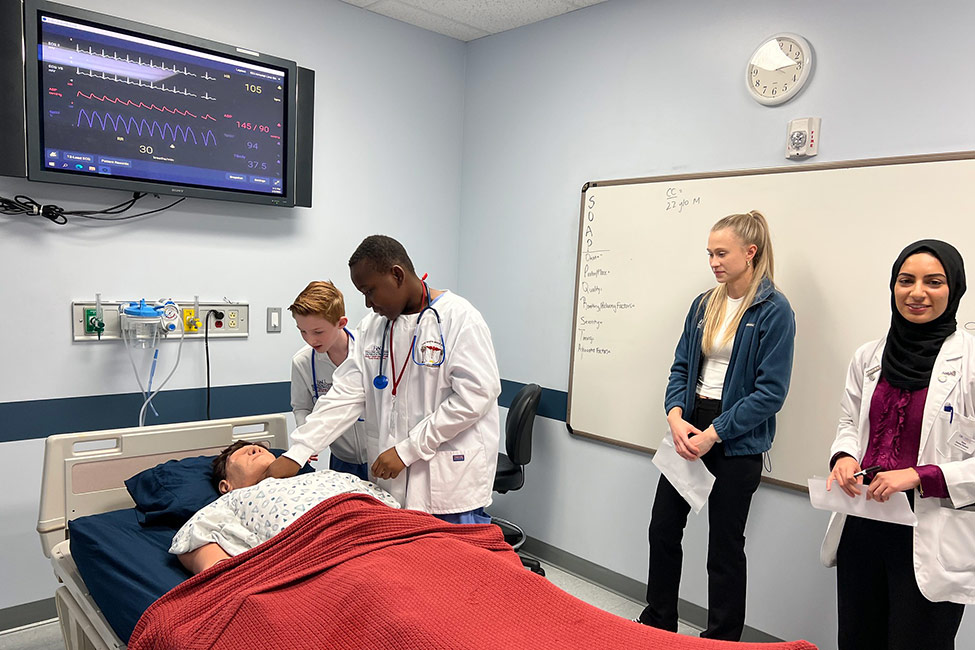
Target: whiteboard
(836,229)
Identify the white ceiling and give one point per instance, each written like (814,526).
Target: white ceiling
(469,19)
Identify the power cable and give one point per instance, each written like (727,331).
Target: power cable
(22,205)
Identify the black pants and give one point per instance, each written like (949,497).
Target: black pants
(736,479)
(879,604)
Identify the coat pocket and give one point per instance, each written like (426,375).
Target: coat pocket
(959,441)
(457,478)
(956,548)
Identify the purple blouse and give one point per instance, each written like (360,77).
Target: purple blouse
(895,436)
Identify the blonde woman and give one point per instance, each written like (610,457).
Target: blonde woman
(729,378)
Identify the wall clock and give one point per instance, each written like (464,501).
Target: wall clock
(779,68)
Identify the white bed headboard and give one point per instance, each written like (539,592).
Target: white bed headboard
(84,473)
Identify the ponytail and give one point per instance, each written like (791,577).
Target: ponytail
(750,228)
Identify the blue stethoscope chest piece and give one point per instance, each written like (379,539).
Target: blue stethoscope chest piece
(380,382)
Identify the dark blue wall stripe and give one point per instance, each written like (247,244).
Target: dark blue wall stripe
(45,417)
(42,418)
(554,403)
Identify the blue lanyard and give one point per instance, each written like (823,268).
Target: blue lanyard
(314,375)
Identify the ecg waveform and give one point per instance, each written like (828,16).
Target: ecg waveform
(128,124)
(138,82)
(128,59)
(129,102)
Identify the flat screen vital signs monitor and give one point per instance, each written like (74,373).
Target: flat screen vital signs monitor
(116,104)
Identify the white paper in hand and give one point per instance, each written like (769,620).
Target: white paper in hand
(691,479)
(896,510)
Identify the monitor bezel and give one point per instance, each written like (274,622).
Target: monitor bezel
(35,158)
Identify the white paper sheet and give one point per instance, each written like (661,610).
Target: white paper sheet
(896,510)
(691,479)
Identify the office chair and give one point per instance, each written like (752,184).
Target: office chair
(511,466)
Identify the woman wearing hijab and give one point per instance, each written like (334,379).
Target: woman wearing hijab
(908,417)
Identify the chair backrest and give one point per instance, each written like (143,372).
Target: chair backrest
(518,425)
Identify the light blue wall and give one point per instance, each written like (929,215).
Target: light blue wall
(388,128)
(633,88)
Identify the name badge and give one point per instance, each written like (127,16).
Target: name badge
(872,372)
(962,442)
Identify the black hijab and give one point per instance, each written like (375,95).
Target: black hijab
(913,347)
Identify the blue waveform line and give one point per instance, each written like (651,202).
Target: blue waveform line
(128,123)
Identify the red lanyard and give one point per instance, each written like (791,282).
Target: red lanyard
(392,361)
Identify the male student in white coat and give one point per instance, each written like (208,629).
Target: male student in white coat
(319,312)
(425,373)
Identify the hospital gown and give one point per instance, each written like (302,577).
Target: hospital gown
(244,518)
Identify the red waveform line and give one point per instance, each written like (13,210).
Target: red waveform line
(129,102)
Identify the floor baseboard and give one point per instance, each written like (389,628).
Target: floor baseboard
(28,613)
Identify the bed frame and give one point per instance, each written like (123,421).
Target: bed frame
(84,474)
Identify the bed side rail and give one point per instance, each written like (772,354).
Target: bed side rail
(84,473)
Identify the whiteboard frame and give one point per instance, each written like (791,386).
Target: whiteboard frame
(842,164)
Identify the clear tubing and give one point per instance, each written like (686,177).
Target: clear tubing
(179,351)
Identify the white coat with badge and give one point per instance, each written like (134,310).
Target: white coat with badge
(443,420)
(944,538)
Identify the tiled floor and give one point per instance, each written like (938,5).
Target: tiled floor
(47,635)
(39,636)
(601,598)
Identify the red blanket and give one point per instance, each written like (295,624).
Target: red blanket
(353,573)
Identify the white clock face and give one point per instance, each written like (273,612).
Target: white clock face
(779,68)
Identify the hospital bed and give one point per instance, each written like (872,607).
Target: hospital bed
(84,474)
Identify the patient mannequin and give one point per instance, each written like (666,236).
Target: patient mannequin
(241,465)
(242,518)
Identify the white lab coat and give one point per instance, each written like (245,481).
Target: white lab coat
(443,421)
(944,539)
(351,445)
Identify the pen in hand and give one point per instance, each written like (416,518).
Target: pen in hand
(868,470)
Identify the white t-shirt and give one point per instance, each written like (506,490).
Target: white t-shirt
(710,383)
(351,445)
(243,518)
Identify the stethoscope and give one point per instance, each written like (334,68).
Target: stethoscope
(314,375)
(381,381)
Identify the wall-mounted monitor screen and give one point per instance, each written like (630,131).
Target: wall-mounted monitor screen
(112,103)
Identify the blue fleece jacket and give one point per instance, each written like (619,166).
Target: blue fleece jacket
(758,375)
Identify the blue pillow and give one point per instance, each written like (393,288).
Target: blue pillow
(171,492)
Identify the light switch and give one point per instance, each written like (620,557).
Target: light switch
(273,319)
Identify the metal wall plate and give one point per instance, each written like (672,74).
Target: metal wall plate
(235,323)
